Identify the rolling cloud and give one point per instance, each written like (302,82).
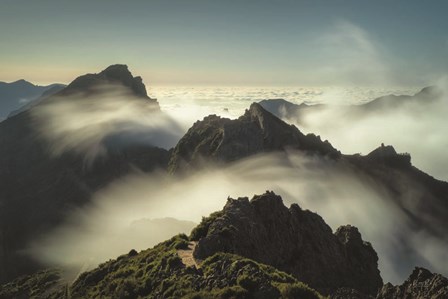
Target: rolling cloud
(329,188)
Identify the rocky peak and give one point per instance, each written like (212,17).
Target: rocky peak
(114,74)
(293,240)
(348,234)
(22,82)
(383,151)
(387,154)
(420,284)
(256,131)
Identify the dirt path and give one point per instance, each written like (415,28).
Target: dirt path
(187,255)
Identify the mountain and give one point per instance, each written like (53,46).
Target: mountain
(114,74)
(420,284)
(226,258)
(426,95)
(420,199)
(256,131)
(292,240)
(287,110)
(49,92)
(291,111)
(231,254)
(19,93)
(38,189)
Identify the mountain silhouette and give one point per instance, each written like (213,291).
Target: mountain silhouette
(256,131)
(19,93)
(38,190)
(288,110)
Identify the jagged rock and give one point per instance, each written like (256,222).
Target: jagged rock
(293,240)
(421,284)
(257,131)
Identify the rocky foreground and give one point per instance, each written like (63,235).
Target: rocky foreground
(254,248)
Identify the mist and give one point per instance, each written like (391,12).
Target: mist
(88,124)
(104,229)
(417,127)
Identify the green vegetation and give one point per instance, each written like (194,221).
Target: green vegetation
(44,284)
(201,230)
(160,273)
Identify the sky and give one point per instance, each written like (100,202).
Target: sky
(233,43)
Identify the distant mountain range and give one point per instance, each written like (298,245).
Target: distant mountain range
(251,249)
(20,93)
(288,110)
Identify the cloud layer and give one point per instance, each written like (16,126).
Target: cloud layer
(326,187)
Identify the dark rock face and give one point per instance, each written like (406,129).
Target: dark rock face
(38,190)
(257,131)
(295,241)
(421,284)
(114,74)
(387,155)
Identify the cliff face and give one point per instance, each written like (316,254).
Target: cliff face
(293,240)
(256,131)
(420,284)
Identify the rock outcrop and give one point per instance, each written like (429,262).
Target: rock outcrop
(293,240)
(386,154)
(257,131)
(421,284)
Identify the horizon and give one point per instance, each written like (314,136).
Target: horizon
(208,43)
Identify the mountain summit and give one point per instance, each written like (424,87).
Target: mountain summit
(256,131)
(118,74)
(292,240)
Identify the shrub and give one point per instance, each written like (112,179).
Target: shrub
(201,230)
